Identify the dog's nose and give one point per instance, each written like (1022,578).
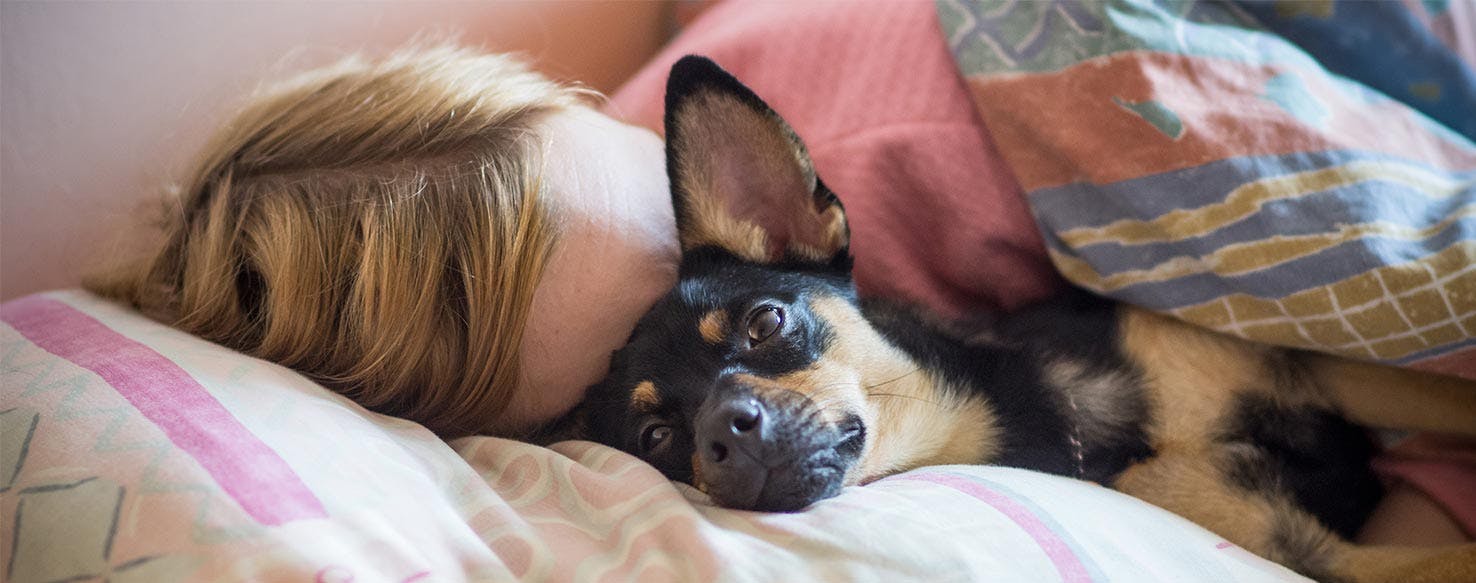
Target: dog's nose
(733,433)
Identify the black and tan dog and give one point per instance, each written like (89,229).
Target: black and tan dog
(762,380)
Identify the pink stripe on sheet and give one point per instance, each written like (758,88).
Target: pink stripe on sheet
(1070,566)
(254,475)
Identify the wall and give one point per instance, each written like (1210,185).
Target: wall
(102,103)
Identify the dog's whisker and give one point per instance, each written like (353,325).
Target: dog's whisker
(915,370)
(913,397)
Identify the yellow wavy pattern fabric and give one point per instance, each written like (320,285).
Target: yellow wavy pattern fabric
(1243,258)
(1248,199)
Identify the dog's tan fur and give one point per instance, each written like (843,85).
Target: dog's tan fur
(914,423)
(713,226)
(713,327)
(833,236)
(1380,396)
(645,398)
(1192,376)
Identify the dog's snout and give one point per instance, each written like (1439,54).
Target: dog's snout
(769,451)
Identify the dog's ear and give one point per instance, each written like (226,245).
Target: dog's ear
(741,179)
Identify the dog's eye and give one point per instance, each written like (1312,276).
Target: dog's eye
(764,323)
(655,436)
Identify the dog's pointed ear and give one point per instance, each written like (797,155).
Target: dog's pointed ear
(741,179)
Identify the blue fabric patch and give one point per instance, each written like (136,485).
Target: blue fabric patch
(1382,45)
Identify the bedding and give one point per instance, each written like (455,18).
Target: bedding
(1297,173)
(130,451)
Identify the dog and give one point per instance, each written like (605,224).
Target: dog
(764,381)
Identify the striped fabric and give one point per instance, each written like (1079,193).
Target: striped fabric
(133,452)
(1240,168)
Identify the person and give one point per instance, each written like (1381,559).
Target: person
(451,238)
(413,234)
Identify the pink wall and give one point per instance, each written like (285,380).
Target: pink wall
(102,103)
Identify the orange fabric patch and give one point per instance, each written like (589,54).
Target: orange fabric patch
(1054,127)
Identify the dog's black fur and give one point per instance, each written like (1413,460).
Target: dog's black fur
(763,379)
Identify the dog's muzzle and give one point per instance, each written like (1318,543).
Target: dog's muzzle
(772,452)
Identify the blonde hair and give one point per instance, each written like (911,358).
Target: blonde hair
(377,226)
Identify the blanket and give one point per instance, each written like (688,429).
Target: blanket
(1301,174)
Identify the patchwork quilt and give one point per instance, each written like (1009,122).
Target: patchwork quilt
(1298,173)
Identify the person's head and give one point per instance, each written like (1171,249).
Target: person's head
(443,236)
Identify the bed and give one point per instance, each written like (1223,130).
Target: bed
(130,451)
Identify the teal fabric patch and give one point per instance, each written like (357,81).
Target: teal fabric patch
(1288,91)
(1156,113)
(1000,36)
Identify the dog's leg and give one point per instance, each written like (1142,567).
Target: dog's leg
(1395,398)
(1192,484)
(1193,370)
(1408,564)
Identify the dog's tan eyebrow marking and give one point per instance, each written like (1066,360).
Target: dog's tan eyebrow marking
(644,397)
(714,326)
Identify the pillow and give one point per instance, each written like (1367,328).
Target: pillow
(1187,159)
(134,452)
